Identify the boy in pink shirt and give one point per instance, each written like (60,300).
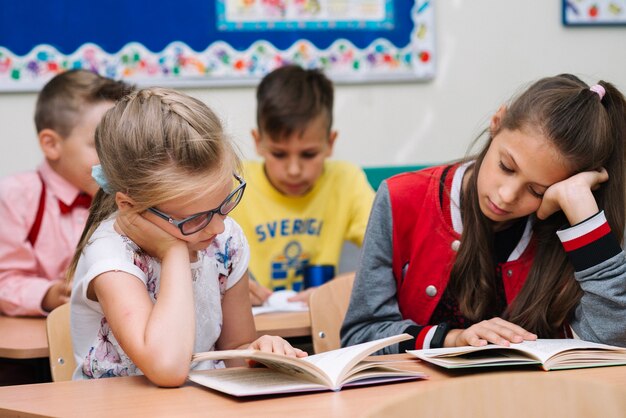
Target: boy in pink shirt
(43,212)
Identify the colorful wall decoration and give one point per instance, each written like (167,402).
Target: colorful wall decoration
(219,42)
(594,12)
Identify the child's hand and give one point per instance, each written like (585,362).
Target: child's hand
(496,331)
(573,196)
(302,296)
(148,236)
(271,344)
(258,293)
(57,295)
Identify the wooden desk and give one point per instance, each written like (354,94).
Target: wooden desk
(284,324)
(23,338)
(135,396)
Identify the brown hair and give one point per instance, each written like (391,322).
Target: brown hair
(289,98)
(61,101)
(589,133)
(156,145)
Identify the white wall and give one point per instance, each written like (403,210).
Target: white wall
(487,50)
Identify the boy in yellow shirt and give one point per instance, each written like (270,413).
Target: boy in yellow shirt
(299,208)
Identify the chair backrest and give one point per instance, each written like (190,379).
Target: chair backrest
(376,175)
(328,306)
(62,363)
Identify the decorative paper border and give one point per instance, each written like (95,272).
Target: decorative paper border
(594,12)
(178,65)
(224,24)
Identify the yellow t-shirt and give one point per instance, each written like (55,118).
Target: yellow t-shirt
(286,233)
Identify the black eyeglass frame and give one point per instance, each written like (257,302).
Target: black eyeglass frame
(209,213)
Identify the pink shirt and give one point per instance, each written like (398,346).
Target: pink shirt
(27,272)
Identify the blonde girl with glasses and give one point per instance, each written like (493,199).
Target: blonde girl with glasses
(161,271)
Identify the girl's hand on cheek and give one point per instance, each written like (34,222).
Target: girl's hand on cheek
(271,344)
(495,331)
(148,236)
(573,196)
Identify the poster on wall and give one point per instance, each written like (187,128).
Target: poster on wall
(594,12)
(191,43)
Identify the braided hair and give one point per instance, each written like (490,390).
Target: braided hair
(156,145)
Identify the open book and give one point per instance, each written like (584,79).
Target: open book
(326,371)
(550,354)
(277,302)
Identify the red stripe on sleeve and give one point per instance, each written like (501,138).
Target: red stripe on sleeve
(588,238)
(419,341)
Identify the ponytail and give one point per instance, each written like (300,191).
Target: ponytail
(612,193)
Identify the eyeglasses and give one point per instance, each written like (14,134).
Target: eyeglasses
(199,221)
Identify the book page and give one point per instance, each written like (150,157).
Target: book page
(326,368)
(461,357)
(252,381)
(453,352)
(281,363)
(378,374)
(545,348)
(544,351)
(277,302)
(338,363)
(591,355)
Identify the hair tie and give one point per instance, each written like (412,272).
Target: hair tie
(598,89)
(98,175)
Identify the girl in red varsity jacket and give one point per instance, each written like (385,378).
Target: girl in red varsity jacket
(519,242)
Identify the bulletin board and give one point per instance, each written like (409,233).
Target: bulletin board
(215,42)
(594,12)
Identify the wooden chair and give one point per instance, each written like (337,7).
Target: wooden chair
(62,363)
(328,306)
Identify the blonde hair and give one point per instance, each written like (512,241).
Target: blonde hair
(156,145)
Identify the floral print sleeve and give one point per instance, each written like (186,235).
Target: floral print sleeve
(106,358)
(231,254)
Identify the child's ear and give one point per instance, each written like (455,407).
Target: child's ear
(496,120)
(50,143)
(332,137)
(124,202)
(257,138)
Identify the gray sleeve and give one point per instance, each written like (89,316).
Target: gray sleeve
(601,314)
(373,312)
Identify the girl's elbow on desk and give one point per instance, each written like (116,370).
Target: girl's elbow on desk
(168,377)
(166,373)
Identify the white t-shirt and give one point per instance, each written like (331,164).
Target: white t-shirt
(217,269)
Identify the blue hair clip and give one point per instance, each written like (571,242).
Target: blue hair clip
(98,175)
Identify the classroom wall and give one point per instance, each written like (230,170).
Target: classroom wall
(487,50)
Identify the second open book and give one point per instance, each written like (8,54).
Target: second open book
(550,354)
(326,371)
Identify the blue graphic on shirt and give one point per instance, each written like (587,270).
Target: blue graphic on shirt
(288,227)
(290,264)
